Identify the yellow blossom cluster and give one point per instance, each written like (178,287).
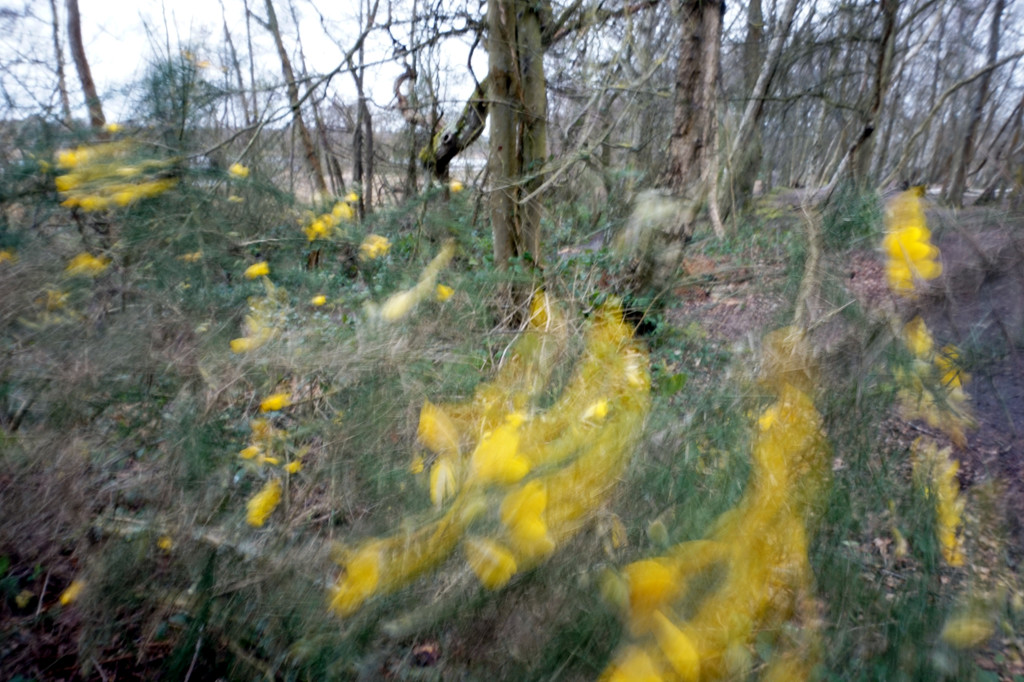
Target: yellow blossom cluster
(265,317)
(909,252)
(325,225)
(7,256)
(931,389)
(86,264)
(269,446)
(374,246)
(263,503)
(109,175)
(531,477)
(754,560)
(399,304)
(935,472)
(239,171)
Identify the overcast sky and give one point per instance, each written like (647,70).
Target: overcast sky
(123,39)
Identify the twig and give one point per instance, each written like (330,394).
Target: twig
(195,657)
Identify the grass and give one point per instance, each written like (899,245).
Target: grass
(124,412)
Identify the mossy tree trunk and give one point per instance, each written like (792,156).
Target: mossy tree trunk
(694,126)
(518,145)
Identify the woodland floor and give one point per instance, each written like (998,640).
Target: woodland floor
(977,304)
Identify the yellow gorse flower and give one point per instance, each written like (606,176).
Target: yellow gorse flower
(359,581)
(936,473)
(443,292)
(455,186)
(260,269)
(73,592)
(109,175)
(87,264)
(318,300)
(275,402)
(907,246)
(756,553)
(7,256)
(493,565)
(542,473)
(262,504)
(238,170)
(398,305)
(374,246)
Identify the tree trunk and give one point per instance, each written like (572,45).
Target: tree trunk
(92,100)
(62,85)
(746,167)
(518,145)
(694,121)
(236,66)
(958,184)
(312,158)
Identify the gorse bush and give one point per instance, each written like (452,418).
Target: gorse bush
(248,437)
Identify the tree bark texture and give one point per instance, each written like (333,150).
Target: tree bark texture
(958,184)
(518,110)
(62,84)
(694,120)
(312,158)
(92,100)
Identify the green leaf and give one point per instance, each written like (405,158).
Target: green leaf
(671,385)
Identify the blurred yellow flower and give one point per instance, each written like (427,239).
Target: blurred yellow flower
(651,585)
(374,246)
(235,199)
(87,264)
(455,186)
(275,402)
(967,632)
(359,582)
(443,482)
(634,665)
(165,543)
(918,338)
(318,229)
(55,299)
(112,127)
(352,197)
(343,211)
(318,300)
(496,458)
(249,452)
(263,503)
(23,598)
(255,270)
(293,467)
(238,170)
(677,648)
(191,257)
(596,412)
(436,430)
(444,292)
(7,256)
(493,565)
(907,246)
(522,513)
(242,344)
(73,592)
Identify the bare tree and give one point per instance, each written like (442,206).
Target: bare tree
(92,99)
(958,184)
(62,86)
(312,157)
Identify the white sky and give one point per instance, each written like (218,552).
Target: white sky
(123,38)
